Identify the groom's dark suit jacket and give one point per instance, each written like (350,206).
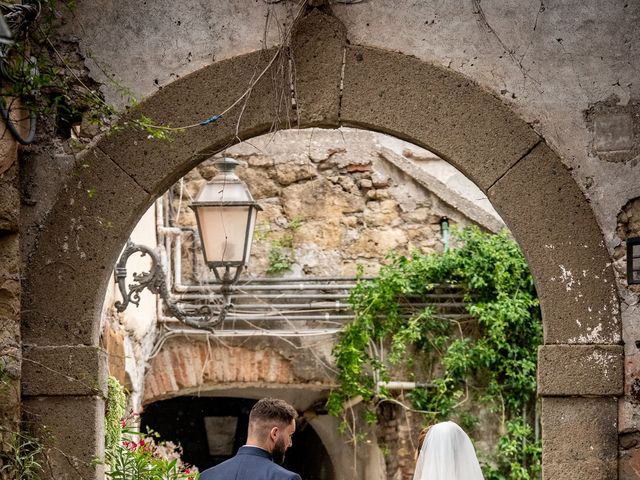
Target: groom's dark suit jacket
(250,463)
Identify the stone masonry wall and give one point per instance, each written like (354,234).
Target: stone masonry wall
(10,350)
(629,428)
(331,200)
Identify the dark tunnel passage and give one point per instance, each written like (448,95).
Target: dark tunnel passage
(211,429)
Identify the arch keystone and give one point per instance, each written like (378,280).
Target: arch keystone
(317,49)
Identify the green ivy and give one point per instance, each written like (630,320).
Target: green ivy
(491,357)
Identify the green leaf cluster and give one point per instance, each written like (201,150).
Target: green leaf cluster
(280,256)
(491,356)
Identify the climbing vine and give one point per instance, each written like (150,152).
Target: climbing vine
(489,357)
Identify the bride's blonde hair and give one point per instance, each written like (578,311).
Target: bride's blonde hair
(421,436)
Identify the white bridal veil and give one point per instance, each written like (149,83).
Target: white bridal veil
(447,454)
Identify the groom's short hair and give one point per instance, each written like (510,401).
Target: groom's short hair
(268,412)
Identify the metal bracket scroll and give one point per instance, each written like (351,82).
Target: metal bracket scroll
(155,281)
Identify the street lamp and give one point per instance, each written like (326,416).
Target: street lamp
(226,214)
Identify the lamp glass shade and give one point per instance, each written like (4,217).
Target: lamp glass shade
(226,233)
(226,214)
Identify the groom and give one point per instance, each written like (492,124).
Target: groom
(271,425)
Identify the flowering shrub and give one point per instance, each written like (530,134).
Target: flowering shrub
(143,458)
(130,455)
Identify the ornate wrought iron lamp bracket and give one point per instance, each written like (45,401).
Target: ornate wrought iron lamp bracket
(155,281)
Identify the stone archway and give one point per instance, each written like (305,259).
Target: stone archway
(580,365)
(199,422)
(251,369)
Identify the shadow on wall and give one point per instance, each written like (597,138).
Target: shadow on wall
(211,429)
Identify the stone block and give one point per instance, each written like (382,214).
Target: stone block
(613,132)
(65,370)
(629,464)
(317,47)
(555,227)
(156,164)
(579,438)
(435,108)
(10,289)
(580,370)
(68,273)
(43,173)
(71,430)
(9,200)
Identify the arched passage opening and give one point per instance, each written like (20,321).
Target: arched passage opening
(580,371)
(369,206)
(211,429)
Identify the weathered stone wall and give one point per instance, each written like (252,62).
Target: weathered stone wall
(10,287)
(397,434)
(629,421)
(186,366)
(10,351)
(332,201)
(353,201)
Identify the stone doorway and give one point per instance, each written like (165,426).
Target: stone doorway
(580,365)
(211,429)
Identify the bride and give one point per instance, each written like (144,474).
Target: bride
(447,454)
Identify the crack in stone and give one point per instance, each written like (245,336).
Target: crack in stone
(516,163)
(342,69)
(124,171)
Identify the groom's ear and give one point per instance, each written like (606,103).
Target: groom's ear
(273,433)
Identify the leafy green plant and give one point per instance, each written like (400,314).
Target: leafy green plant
(139,457)
(19,456)
(280,256)
(517,454)
(491,356)
(129,454)
(114,412)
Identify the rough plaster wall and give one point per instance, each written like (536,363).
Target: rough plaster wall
(551,62)
(10,295)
